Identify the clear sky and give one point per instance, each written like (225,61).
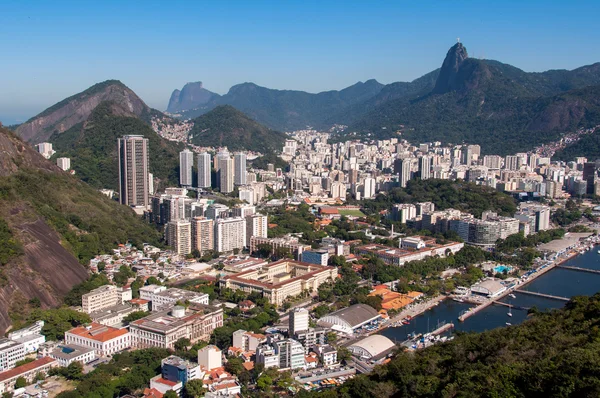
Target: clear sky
(53,49)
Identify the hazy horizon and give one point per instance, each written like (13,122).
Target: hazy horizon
(54,50)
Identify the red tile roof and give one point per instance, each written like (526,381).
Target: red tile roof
(165,382)
(19,370)
(98,332)
(152,393)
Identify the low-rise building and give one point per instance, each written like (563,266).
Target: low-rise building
(163,299)
(282,279)
(100,298)
(413,249)
(349,319)
(105,340)
(112,316)
(10,352)
(162,329)
(28,371)
(66,354)
(30,337)
(177,369)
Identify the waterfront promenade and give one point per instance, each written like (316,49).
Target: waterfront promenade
(541,271)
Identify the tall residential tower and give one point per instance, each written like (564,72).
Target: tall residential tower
(133,170)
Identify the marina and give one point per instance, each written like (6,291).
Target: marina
(549,290)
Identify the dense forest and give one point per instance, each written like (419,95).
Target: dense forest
(553,354)
(226,126)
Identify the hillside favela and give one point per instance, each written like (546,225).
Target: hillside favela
(296,199)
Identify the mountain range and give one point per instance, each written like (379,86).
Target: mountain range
(191,96)
(470,100)
(50,224)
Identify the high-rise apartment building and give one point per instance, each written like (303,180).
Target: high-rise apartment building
(230,234)
(64,163)
(203,234)
(298,320)
(204,166)
(240,168)
(179,235)
(133,170)
(512,162)
(256,225)
(402,167)
(226,173)
(186,162)
(425,167)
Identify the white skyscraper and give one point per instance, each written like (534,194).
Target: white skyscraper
(240,168)
(230,234)
(425,167)
(256,225)
(204,170)
(64,163)
(369,188)
(298,320)
(403,171)
(226,171)
(186,162)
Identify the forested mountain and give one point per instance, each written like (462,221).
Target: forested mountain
(227,126)
(498,106)
(65,114)
(287,110)
(552,354)
(92,147)
(50,224)
(471,100)
(191,96)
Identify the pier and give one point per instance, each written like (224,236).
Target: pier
(516,307)
(543,295)
(593,271)
(443,328)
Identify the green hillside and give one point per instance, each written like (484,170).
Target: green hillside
(226,126)
(552,354)
(92,147)
(498,106)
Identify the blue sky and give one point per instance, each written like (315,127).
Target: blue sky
(53,49)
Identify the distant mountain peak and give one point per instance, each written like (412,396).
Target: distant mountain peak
(191,96)
(455,57)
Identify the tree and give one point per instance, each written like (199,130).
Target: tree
(264,382)
(74,371)
(193,389)
(343,354)
(21,382)
(134,316)
(170,394)
(182,344)
(234,365)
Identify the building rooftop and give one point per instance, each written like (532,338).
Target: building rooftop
(69,351)
(164,321)
(375,344)
(98,332)
(19,370)
(260,277)
(356,314)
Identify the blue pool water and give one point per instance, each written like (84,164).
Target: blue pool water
(501,268)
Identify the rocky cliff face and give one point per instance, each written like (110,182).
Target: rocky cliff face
(77,108)
(46,269)
(191,96)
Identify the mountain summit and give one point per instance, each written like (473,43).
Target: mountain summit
(191,96)
(65,114)
(447,79)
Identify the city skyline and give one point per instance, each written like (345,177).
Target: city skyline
(386,42)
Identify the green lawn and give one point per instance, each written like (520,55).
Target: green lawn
(353,213)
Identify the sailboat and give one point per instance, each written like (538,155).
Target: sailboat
(509,309)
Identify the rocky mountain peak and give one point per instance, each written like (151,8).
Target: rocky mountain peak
(455,58)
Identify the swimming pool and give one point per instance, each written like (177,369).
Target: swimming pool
(501,268)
